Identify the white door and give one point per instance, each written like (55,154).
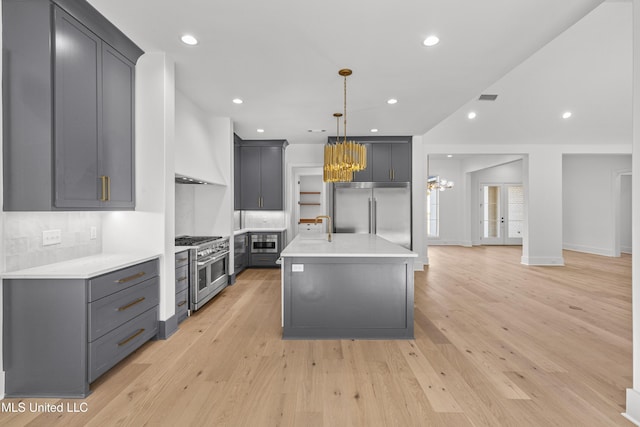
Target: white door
(501,214)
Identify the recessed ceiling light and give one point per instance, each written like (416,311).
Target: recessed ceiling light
(237,101)
(392,101)
(189,39)
(316,130)
(449,155)
(374,130)
(566,114)
(431,41)
(472,115)
(260,130)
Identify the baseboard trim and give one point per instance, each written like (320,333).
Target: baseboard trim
(633,406)
(232,279)
(626,249)
(588,249)
(168,327)
(543,261)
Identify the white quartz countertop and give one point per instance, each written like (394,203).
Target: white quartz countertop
(258,230)
(81,268)
(344,245)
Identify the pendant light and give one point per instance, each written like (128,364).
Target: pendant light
(344,157)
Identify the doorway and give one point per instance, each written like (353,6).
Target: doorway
(501,214)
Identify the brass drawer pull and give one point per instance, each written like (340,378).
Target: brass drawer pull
(131,304)
(182,279)
(128,279)
(182,303)
(103,197)
(121,343)
(182,259)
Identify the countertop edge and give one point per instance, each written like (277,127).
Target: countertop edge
(77,268)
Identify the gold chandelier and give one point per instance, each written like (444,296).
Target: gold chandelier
(344,157)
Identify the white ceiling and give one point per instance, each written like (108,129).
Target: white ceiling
(282,58)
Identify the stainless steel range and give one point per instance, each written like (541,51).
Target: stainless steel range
(211,264)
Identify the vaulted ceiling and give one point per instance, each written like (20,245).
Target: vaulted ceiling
(282,58)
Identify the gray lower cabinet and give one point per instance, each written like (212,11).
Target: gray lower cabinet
(59,335)
(182,285)
(69,108)
(240,252)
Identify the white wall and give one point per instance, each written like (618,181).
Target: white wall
(151,227)
(589,201)
(453,229)
(633,394)
(625,214)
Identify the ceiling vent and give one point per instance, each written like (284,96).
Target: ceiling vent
(487,97)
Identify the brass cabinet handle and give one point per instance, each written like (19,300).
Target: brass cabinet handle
(182,279)
(393,174)
(128,279)
(121,343)
(182,303)
(182,259)
(103,197)
(131,304)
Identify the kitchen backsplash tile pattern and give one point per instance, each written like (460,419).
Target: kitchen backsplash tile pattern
(23,246)
(263,219)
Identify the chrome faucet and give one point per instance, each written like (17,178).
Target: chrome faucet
(319,217)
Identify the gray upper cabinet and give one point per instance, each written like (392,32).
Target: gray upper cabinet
(68,91)
(391,162)
(260,175)
(388,158)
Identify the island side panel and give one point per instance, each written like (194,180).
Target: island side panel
(45,334)
(360,297)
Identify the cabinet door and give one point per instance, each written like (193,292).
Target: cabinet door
(365,175)
(271,177)
(250,180)
(237,178)
(401,162)
(76,92)
(381,162)
(117,128)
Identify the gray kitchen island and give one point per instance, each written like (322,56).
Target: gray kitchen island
(358,286)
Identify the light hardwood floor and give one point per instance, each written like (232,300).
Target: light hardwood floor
(496,344)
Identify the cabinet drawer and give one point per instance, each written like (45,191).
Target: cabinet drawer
(110,283)
(264,260)
(182,305)
(119,343)
(110,312)
(182,278)
(182,258)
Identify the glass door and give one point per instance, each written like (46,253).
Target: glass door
(501,214)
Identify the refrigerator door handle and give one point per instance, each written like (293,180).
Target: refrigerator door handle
(374,217)
(370,216)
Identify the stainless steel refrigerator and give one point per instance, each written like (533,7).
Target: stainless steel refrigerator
(370,207)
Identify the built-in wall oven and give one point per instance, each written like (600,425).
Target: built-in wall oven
(212,266)
(264,243)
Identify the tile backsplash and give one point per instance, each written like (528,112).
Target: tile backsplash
(263,219)
(23,246)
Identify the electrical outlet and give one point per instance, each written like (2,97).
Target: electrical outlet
(51,237)
(93,233)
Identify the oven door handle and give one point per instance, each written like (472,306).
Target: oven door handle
(212,259)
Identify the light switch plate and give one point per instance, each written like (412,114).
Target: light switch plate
(297,267)
(93,233)
(51,237)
